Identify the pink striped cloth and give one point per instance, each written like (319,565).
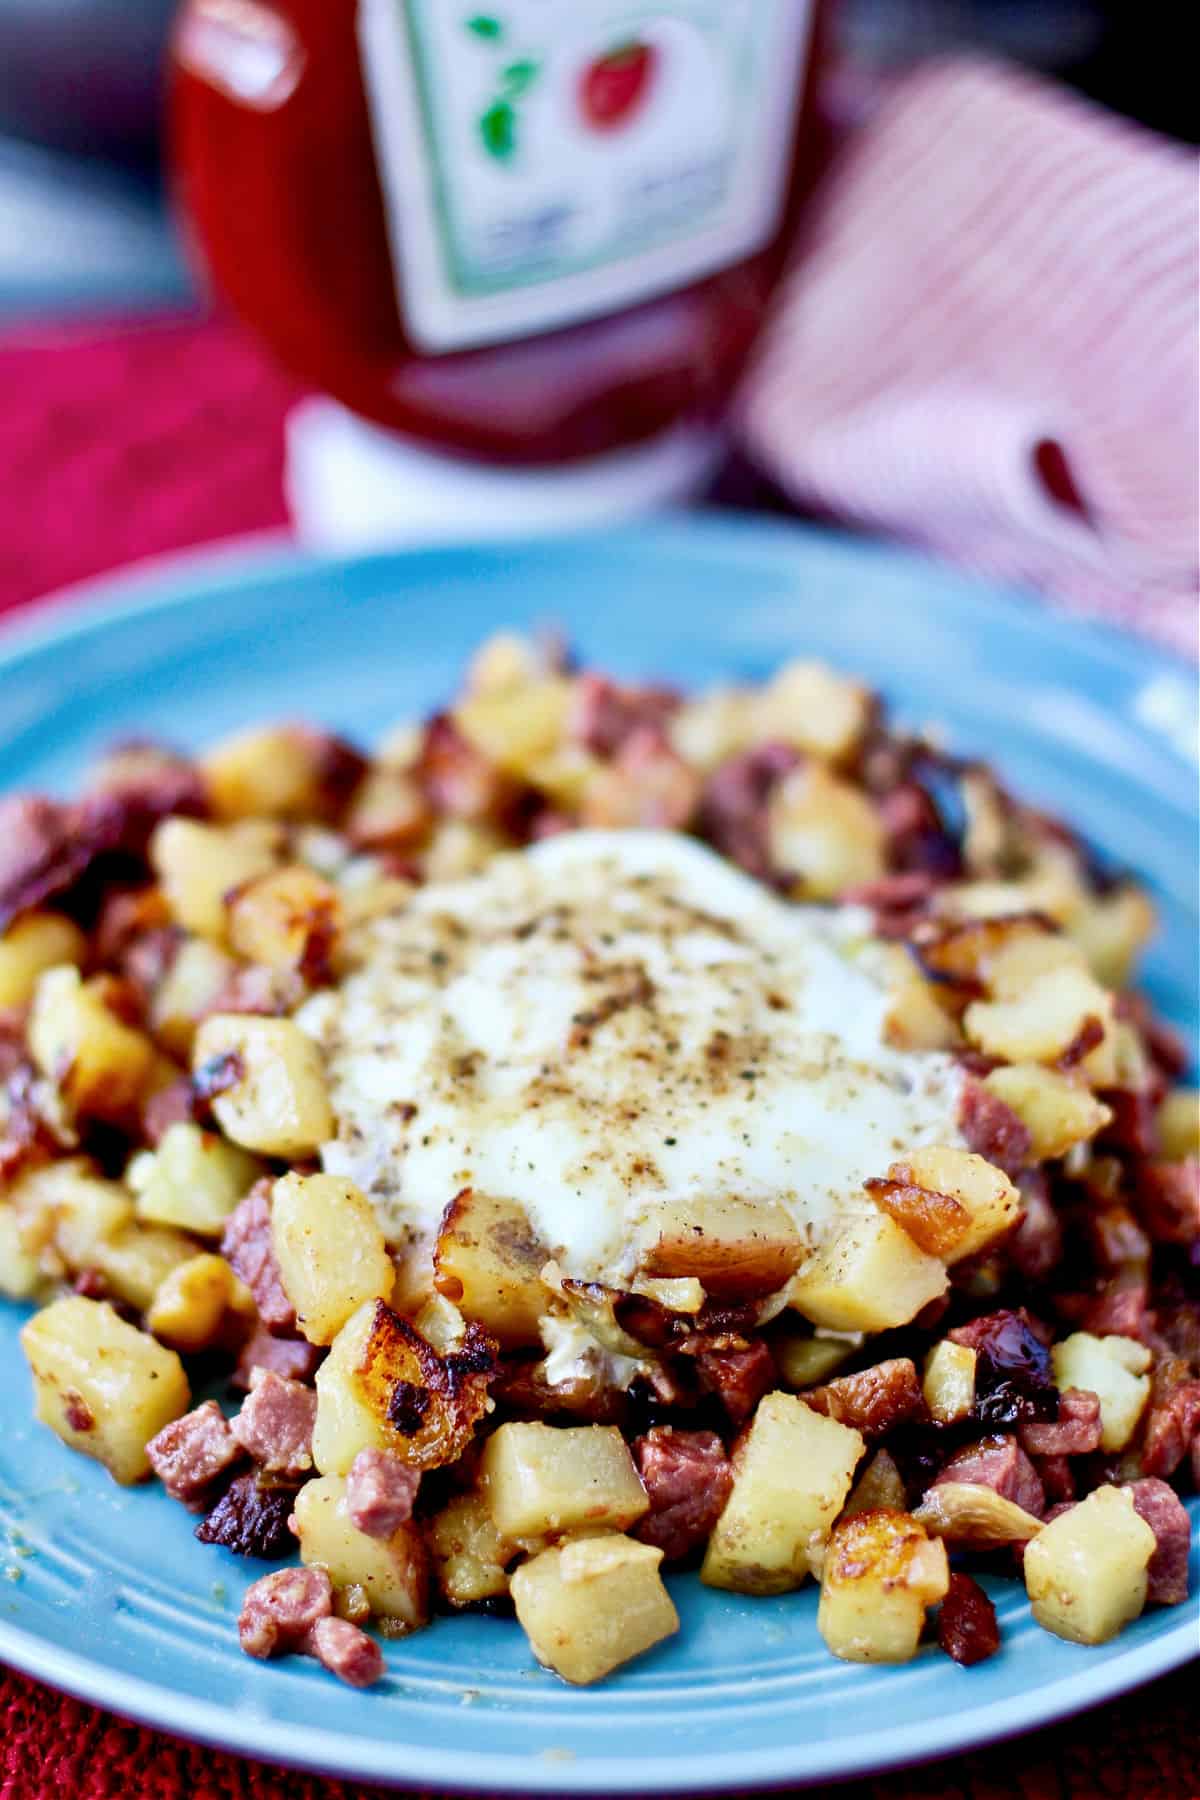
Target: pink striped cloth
(988,345)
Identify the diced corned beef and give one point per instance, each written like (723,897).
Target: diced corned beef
(256,989)
(1134,1123)
(146,960)
(42,852)
(275,1425)
(998,1463)
(293,1357)
(190,1454)
(149,782)
(1116,1239)
(1195,1461)
(1076,1431)
(246,1247)
(1035,1246)
(251,1520)
(602,715)
(646,784)
(380,1491)
(967,1628)
(733,805)
(738,1377)
(873,1400)
(688,1478)
(345,1651)
(280,1609)
(14,1053)
(1168,1198)
(1120,1310)
(175,1104)
(1057,1478)
(992,1129)
(1166,1515)
(458,780)
(1172,1420)
(899,902)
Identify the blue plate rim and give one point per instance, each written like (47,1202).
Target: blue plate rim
(181,580)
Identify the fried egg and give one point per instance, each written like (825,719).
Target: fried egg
(606,1022)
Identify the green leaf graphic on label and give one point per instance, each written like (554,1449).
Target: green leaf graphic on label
(519,76)
(485,27)
(498,129)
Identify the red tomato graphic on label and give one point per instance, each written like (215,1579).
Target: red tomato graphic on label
(614,87)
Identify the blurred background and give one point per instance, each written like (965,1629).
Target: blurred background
(138,409)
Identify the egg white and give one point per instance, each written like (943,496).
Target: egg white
(607,1021)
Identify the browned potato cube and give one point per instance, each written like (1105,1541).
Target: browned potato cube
(949,1384)
(824,833)
(199,865)
(187,992)
(288,919)
(1057,1109)
(880,1574)
(488,1261)
(868,1277)
(285,771)
(880,1485)
(986,1195)
(590,1606)
(736,1249)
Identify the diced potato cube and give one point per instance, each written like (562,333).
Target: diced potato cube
(488,1260)
(280,1105)
(515,727)
(330,1250)
(539,1480)
(1045,1021)
(99,1064)
(1114,1369)
(393,1572)
(989,1198)
(1024,955)
(189,989)
(288,919)
(389,811)
(1085,1572)
(85,1210)
(284,771)
(103,1386)
(505,661)
(469,1556)
(194,1180)
(20,1271)
(809,705)
(460,847)
(880,1574)
(1179,1124)
(588,1607)
(137,1259)
(824,833)
(806,1359)
(736,1249)
(868,1277)
(716,725)
(1057,1109)
(949,1384)
(565,775)
(192,1302)
(792,1472)
(880,1485)
(198,865)
(32,944)
(916,1020)
(383,1386)
(1111,930)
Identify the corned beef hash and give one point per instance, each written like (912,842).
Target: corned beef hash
(605,1132)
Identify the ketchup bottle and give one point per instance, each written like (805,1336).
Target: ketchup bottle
(528,231)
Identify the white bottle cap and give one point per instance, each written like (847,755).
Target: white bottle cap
(352,486)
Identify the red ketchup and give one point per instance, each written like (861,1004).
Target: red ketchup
(531,231)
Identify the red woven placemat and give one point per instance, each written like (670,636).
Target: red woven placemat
(116,445)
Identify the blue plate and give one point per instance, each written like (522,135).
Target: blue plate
(109,1595)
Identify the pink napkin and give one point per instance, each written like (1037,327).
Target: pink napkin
(988,345)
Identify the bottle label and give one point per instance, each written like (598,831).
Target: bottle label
(548,161)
